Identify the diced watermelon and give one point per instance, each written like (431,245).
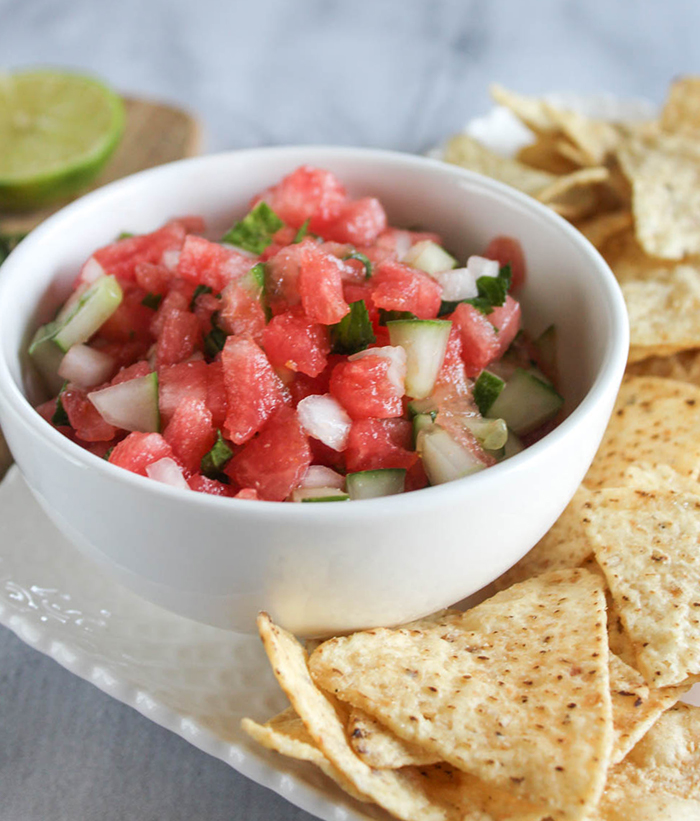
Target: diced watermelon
(210,263)
(247,493)
(154,279)
(320,286)
(416,478)
(123,353)
(131,372)
(131,321)
(360,222)
(364,388)
(253,389)
(275,462)
(120,258)
(175,301)
(282,274)
(216,393)
(508,250)
(179,338)
(139,450)
(203,484)
(452,374)
(485,338)
(84,417)
(206,305)
(380,443)
(190,432)
(398,287)
(241,312)
(307,193)
(355,292)
(177,382)
(295,342)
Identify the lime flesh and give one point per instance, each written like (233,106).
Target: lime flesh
(57,131)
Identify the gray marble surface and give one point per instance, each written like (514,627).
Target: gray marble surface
(391,73)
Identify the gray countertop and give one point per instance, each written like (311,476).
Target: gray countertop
(389,73)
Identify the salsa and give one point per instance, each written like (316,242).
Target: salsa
(313,353)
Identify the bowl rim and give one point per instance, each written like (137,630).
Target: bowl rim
(609,373)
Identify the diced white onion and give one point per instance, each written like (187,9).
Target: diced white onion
(171,259)
(131,405)
(321,476)
(397,368)
(91,271)
(325,419)
(168,472)
(482,267)
(404,241)
(86,367)
(459,283)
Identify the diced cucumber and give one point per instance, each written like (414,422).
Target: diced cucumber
(428,256)
(369,484)
(94,308)
(47,356)
(416,406)
(425,343)
(422,421)
(131,405)
(486,390)
(444,459)
(254,281)
(546,345)
(319,494)
(512,446)
(526,402)
(491,434)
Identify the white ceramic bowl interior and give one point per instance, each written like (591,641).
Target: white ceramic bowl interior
(316,568)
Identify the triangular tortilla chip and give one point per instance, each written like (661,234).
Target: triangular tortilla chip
(683,366)
(380,748)
(681,112)
(656,421)
(544,154)
(477,694)
(531,111)
(646,542)
(660,779)
(599,229)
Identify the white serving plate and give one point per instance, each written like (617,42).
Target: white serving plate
(195,680)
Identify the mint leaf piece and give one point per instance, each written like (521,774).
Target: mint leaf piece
(354,331)
(198,291)
(152,300)
(364,260)
(254,232)
(215,460)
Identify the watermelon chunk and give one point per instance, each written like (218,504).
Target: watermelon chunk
(131,321)
(307,193)
(485,338)
(398,287)
(216,393)
(210,263)
(179,338)
(139,450)
(360,222)
(507,250)
(276,461)
(241,311)
(177,382)
(320,285)
(203,484)
(380,443)
(293,341)
(190,432)
(364,387)
(84,418)
(154,279)
(253,389)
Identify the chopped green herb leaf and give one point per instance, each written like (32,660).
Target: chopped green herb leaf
(447,307)
(198,291)
(354,331)
(125,235)
(8,242)
(302,232)
(257,275)
(389,316)
(108,454)
(492,291)
(486,390)
(254,232)
(215,340)
(215,460)
(60,417)
(364,260)
(152,300)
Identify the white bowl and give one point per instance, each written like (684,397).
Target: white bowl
(316,568)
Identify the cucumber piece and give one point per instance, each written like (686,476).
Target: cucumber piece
(131,405)
(491,434)
(422,421)
(254,281)
(94,308)
(512,446)
(443,458)
(486,390)
(47,356)
(369,484)
(428,256)
(319,494)
(425,343)
(526,402)
(416,406)
(546,345)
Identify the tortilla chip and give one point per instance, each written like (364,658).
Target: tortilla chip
(654,421)
(646,542)
(665,179)
(600,228)
(643,476)
(476,693)
(286,734)
(681,111)
(660,779)
(571,153)
(531,111)
(564,546)
(682,365)
(581,179)
(595,139)
(544,154)
(380,748)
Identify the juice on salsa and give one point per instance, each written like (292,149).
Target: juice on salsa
(313,353)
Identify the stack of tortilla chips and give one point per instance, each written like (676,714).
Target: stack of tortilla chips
(557,699)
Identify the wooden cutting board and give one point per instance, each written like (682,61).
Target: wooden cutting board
(154,134)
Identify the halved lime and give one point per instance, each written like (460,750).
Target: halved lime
(57,131)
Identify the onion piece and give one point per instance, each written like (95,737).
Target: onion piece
(457,284)
(483,267)
(167,471)
(170,259)
(325,419)
(86,367)
(91,271)
(322,476)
